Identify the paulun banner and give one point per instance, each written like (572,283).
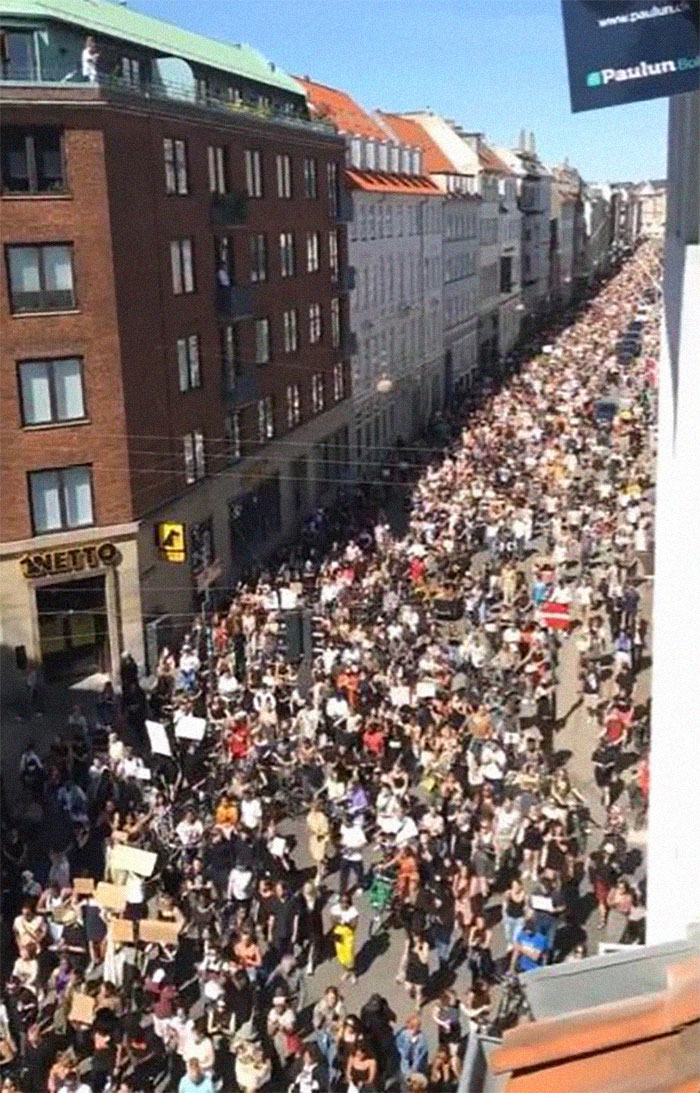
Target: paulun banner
(621,51)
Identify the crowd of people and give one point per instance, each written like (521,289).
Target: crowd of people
(402,779)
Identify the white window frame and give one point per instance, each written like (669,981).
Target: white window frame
(253,172)
(338,381)
(182,266)
(216,163)
(290,322)
(333,260)
(287,254)
(61,475)
(293,405)
(313,251)
(318,394)
(232,429)
(335,322)
(262,340)
(50,366)
(189,366)
(310,178)
(315,324)
(258,268)
(284,176)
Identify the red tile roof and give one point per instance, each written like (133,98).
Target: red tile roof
(337,107)
(381,183)
(647,1044)
(409,131)
(489,161)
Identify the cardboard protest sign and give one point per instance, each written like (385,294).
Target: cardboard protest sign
(190,728)
(425,689)
(153,929)
(132,860)
(121,929)
(82,1009)
(111,896)
(160,745)
(84,886)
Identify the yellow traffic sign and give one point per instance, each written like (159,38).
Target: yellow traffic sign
(171,542)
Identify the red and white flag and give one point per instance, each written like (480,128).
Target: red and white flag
(556,616)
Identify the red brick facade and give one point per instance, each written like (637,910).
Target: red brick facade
(120,220)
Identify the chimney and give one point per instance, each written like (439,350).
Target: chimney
(474,140)
(532,142)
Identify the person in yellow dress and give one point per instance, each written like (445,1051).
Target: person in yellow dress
(345,918)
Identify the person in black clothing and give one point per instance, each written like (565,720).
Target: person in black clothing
(377,1019)
(37,1058)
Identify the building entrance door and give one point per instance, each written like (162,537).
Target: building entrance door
(73,631)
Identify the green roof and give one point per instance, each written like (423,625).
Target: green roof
(119,21)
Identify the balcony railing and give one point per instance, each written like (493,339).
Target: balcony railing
(347,279)
(245,387)
(62,76)
(234,302)
(348,343)
(228,210)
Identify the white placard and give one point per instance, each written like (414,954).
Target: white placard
(401,696)
(425,689)
(288,599)
(160,745)
(190,728)
(130,859)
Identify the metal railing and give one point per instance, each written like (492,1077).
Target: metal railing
(158,90)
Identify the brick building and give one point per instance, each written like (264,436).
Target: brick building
(172,322)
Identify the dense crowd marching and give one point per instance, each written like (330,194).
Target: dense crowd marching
(416,754)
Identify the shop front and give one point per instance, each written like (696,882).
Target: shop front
(71,608)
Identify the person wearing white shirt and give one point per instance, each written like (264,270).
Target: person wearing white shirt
(352,842)
(190,829)
(251,811)
(407,831)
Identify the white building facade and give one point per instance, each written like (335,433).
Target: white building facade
(460,243)
(395,249)
(534,184)
(673,864)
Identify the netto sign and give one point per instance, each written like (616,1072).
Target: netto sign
(621,51)
(49,563)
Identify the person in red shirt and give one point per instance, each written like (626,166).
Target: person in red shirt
(416,570)
(239,739)
(373,739)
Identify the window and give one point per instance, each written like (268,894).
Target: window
(262,341)
(333,196)
(202,87)
(19,55)
(287,254)
(266,419)
(61,499)
(293,405)
(195,458)
(314,323)
(333,254)
(253,173)
(232,430)
(370,222)
(228,336)
(284,176)
(223,257)
(506,274)
(175,157)
(32,161)
(291,336)
(258,257)
(338,382)
(51,391)
(41,278)
(318,399)
(182,266)
(312,252)
(335,322)
(131,71)
(188,366)
(216,163)
(310,178)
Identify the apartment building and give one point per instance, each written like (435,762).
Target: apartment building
(173,326)
(534,200)
(395,258)
(567,210)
